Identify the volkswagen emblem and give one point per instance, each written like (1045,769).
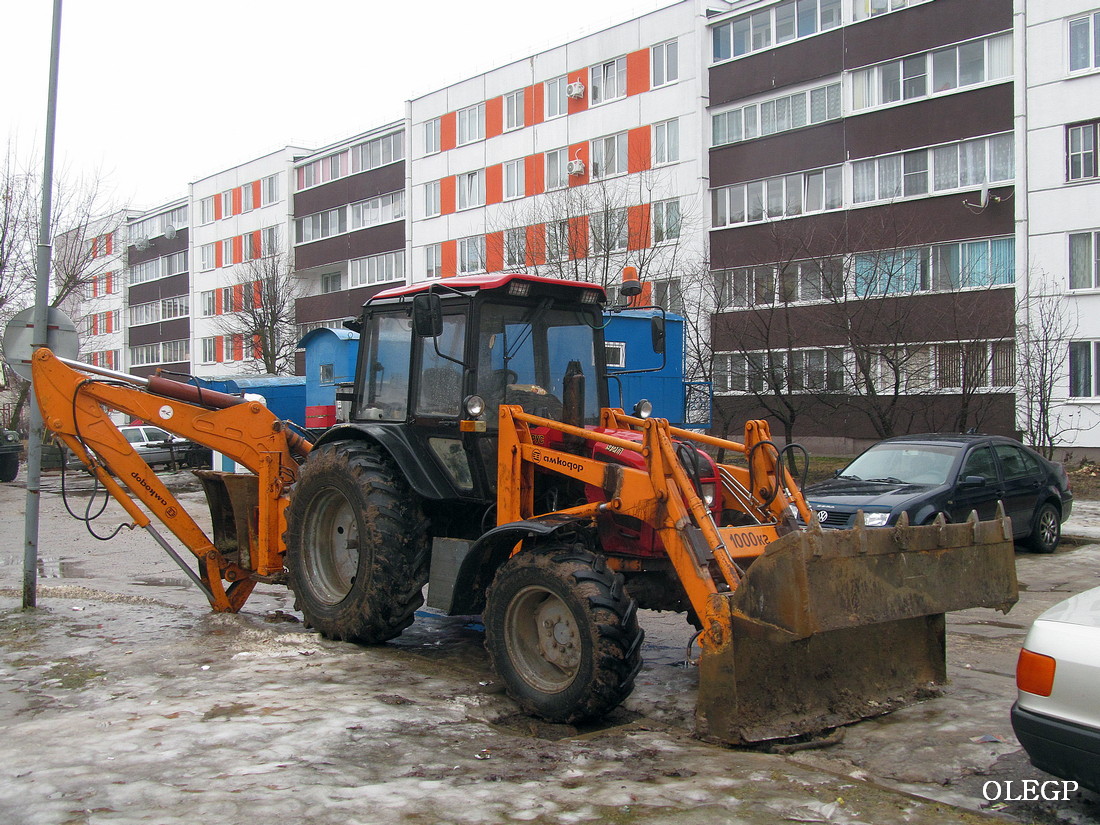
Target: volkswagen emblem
(822,516)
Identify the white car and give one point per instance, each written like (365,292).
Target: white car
(160,447)
(1057,711)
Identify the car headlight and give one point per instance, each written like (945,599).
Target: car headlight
(876,519)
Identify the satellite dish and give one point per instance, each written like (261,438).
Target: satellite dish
(169,232)
(142,244)
(61,337)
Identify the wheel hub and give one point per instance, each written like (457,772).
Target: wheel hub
(558,635)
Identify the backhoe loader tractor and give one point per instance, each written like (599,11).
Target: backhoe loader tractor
(482,460)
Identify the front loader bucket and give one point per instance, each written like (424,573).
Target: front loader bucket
(829,627)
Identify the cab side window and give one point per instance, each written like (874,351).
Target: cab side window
(440,392)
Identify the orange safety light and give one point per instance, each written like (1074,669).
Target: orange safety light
(1035,673)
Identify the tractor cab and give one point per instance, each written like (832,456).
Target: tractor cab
(438,360)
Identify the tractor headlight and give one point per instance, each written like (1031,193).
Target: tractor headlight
(876,519)
(10,436)
(707,492)
(475,406)
(643,409)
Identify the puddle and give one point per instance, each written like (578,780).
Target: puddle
(61,569)
(162,581)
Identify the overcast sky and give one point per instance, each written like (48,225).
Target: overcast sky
(155,94)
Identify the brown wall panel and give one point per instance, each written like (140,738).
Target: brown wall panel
(335,304)
(350,189)
(175,330)
(158,247)
(809,148)
(387,238)
(798,62)
(179,369)
(163,288)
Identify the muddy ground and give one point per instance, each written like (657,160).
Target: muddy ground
(124,700)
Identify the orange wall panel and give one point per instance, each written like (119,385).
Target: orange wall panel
(257,195)
(579,104)
(238,247)
(639,149)
(448,131)
(536,244)
(494,117)
(638,226)
(218,257)
(637,72)
(533,105)
(534,175)
(579,151)
(578,237)
(238,201)
(217,207)
(219,348)
(238,296)
(494,183)
(447,195)
(448,254)
(257,239)
(494,252)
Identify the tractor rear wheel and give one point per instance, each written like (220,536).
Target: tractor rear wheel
(9,467)
(562,633)
(356,544)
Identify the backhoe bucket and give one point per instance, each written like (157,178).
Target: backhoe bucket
(829,627)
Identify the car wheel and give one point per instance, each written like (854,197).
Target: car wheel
(1046,529)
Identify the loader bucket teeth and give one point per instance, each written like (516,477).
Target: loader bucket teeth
(829,627)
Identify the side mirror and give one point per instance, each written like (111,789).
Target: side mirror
(427,315)
(973,481)
(657,334)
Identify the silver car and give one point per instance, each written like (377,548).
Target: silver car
(159,447)
(1057,711)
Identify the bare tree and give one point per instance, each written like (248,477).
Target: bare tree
(261,314)
(1046,325)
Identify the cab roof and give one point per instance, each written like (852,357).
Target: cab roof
(477,283)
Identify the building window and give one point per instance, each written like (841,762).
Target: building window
(331,282)
(975,364)
(787,196)
(515,248)
(1084,377)
(610,232)
(380,151)
(608,81)
(609,156)
(556,99)
(383,209)
(666,142)
(209,350)
(557,240)
(269,190)
(433,260)
(208,303)
(952,266)
(471,124)
(1081,151)
(321,225)
(376,269)
(206,211)
(246,198)
(862,9)
(666,221)
(431,136)
(269,237)
(556,175)
(779,24)
(513,179)
(767,117)
(665,69)
(207,257)
(1084,42)
(1084,260)
(471,189)
(513,110)
(615,354)
(431,199)
(797,371)
(471,254)
(932,73)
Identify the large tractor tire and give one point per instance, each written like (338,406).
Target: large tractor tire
(9,467)
(562,633)
(356,544)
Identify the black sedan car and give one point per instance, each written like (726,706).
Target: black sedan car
(925,475)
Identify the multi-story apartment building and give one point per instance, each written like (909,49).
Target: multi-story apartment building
(348,228)
(239,236)
(574,162)
(862,217)
(157,294)
(1058,113)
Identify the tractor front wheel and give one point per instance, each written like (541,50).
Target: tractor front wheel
(9,467)
(562,633)
(356,544)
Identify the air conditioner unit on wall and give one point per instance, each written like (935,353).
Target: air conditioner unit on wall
(575,167)
(575,89)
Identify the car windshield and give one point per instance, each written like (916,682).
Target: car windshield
(903,463)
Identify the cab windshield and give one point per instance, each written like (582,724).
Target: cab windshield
(527,353)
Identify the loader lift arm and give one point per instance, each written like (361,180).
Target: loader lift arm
(74,399)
